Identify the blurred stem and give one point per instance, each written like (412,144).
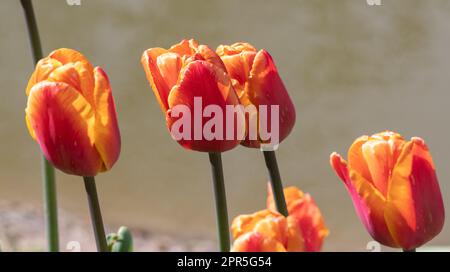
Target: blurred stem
(221,201)
(96,215)
(409,250)
(48,172)
(275,182)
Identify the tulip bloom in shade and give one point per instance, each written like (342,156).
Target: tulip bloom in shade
(394,189)
(186,71)
(269,231)
(257,83)
(71,114)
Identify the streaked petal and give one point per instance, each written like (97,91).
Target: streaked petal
(246,223)
(265,87)
(66,74)
(369,203)
(201,79)
(63,122)
(85,72)
(415,210)
(256,242)
(356,159)
(43,69)
(379,160)
(210,56)
(169,66)
(66,55)
(295,240)
(274,227)
(239,67)
(107,135)
(157,82)
(185,47)
(309,220)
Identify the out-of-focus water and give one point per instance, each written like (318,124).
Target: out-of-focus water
(351,69)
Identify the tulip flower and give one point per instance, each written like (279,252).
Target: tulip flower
(394,188)
(305,215)
(269,231)
(258,83)
(71,114)
(185,78)
(259,87)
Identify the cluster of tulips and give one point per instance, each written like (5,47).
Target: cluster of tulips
(70,113)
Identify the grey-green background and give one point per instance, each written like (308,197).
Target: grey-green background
(351,69)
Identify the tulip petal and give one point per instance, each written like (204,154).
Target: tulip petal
(239,67)
(185,47)
(377,154)
(256,242)
(169,66)
(295,240)
(63,122)
(201,79)
(356,159)
(85,72)
(372,205)
(67,55)
(210,56)
(83,67)
(157,82)
(43,69)
(265,87)
(369,203)
(275,227)
(107,135)
(308,219)
(67,74)
(246,223)
(415,209)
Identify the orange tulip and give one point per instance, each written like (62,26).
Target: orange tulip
(394,189)
(305,215)
(269,231)
(257,83)
(180,75)
(71,114)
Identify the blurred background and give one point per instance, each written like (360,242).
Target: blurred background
(351,69)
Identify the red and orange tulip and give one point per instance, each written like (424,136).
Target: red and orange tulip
(394,188)
(186,71)
(71,114)
(258,83)
(269,231)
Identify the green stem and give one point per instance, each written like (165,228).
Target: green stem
(51,210)
(33,32)
(48,172)
(409,250)
(96,215)
(275,182)
(221,201)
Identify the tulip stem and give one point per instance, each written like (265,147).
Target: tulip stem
(409,250)
(221,201)
(96,215)
(275,182)
(48,172)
